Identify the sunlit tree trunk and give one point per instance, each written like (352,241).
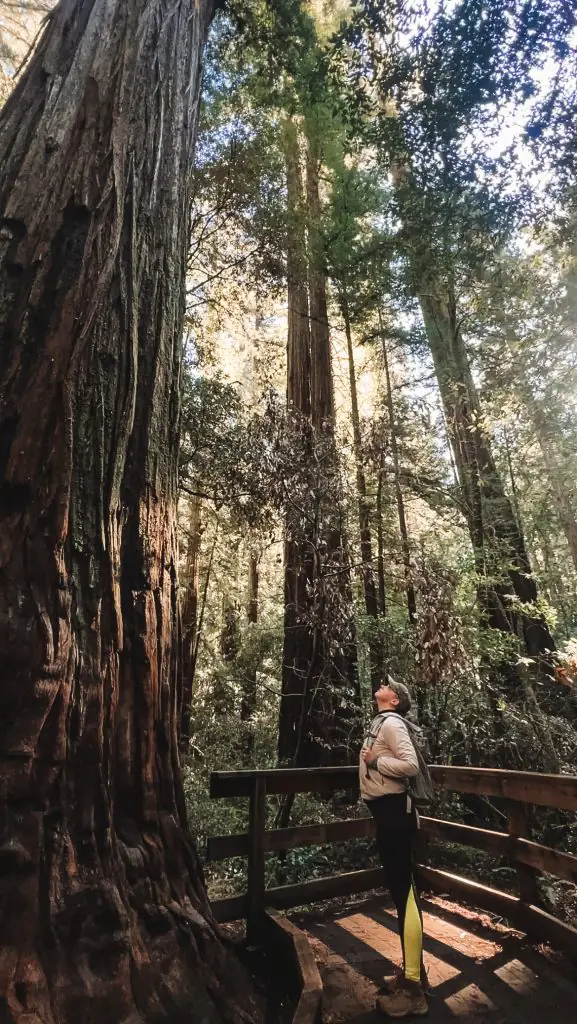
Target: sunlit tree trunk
(103,906)
(405,545)
(498,543)
(382,590)
(562,488)
(322,391)
(365,534)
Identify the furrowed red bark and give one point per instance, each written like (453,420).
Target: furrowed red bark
(296,739)
(103,905)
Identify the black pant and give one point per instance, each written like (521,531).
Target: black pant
(396,832)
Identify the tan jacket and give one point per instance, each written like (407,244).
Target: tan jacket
(396,758)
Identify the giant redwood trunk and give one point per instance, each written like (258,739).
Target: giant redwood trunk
(318,718)
(300,656)
(498,543)
(103,907)
(341,633)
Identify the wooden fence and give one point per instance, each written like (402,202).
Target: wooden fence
(514,791)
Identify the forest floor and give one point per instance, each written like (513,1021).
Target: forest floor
(481,971)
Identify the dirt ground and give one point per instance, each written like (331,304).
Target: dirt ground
(481,971)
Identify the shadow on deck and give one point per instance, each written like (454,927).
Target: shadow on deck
(480,970)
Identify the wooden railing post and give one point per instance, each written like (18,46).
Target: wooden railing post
(256,826)
(519,828)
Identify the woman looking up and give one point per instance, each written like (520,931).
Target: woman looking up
(388,760)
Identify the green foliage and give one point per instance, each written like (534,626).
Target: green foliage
(421,188)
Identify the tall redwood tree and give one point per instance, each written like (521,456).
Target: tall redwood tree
(102,900)
(319,721)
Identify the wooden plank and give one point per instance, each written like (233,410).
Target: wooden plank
(317,835)
(237,845)
(222,847)
(285,896)
(544,858)
(498,843)
(229,908)
(524,851)
(470,892)
(519,828)
(284,780)
(537,921)
(295,949)
(256,828)
(529,918)
(558,791)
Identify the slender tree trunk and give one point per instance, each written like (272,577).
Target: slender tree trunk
(229,641)
(322,391)
(562,484)
(513,483)
(366,542)
(381,543)
(248,701)
(495,535)
(299,339)
(405,545)
(203,602)
(229,636)
(561,488)
(102,900)
(189,618)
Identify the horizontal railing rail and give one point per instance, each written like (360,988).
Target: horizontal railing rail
(515,790)
(524,851)
(559,791)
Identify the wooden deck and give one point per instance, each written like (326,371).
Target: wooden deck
(481,971)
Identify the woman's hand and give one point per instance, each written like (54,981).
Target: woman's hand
(367,755)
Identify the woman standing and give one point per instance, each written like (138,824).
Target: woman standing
(388,760)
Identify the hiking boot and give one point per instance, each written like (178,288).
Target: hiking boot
(408,1000)
(393,982)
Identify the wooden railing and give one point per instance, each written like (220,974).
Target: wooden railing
(514,790)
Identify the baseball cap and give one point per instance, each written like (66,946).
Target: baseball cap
(405,700)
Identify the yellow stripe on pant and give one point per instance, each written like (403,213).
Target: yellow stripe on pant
(412,939)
